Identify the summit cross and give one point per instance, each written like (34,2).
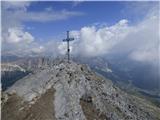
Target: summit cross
(67,40)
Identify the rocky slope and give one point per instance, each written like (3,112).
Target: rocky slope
(70,91)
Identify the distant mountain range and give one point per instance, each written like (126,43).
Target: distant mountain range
(127,74)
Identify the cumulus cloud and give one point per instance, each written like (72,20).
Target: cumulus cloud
(17,35)
(91,41)
(96,42)
(147,41)
(15,38)
(138,42)
(39,49)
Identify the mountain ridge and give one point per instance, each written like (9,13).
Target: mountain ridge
(77,93)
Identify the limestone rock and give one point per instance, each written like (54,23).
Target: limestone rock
(73,92)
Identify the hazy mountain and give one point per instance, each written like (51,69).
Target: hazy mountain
(18,68)
(68,91)
(126,73)
(10,73)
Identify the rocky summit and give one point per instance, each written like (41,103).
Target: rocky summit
(71,91)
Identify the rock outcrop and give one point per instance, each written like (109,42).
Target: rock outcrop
(70,91)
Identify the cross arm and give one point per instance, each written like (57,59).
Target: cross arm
(70,39)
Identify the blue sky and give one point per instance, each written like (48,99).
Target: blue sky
(100,28)
(92,13)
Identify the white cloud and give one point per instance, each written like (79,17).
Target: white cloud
(17,35)
(15,4)
(96,42)
(49,9)
(148,42)
(18,12)
(48,15)
(39,49)
(62,48)
(138,9)
(77,2)
(138,42)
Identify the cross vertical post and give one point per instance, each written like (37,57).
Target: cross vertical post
(68,45)
(67,40)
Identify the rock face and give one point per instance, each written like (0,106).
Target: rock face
(70,91)
(10,73)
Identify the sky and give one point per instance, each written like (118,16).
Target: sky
(99,28)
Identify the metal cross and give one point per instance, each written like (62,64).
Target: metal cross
(67,40)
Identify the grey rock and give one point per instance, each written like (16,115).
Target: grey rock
(80,93)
